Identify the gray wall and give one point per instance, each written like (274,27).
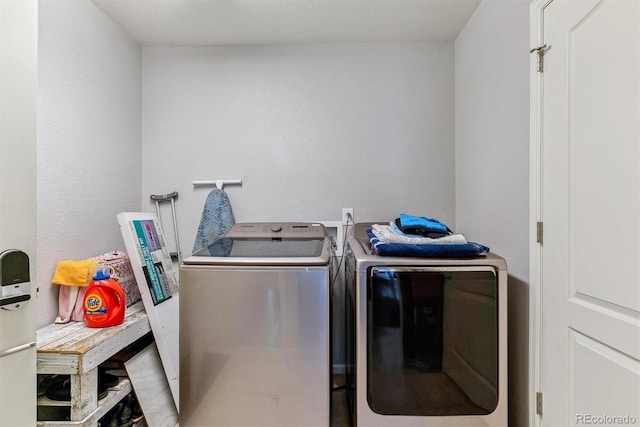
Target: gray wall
(492,160)
(309,129)
(88,137)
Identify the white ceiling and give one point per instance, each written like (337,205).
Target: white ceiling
(215,22)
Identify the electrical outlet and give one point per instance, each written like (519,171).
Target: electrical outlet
(347,216)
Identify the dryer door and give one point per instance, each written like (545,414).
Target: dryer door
(432,337)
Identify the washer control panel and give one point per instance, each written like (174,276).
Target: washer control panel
(277,230)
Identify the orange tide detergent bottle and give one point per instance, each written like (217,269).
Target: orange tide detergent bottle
(104,302)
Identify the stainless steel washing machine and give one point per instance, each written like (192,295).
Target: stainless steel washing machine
(426,338)
(255,328)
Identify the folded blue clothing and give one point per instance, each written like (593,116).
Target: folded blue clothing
(427,250)
(420,225)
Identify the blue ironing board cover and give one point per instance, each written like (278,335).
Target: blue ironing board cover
(448,250)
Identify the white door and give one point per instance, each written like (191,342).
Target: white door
(18,71)
(590,209)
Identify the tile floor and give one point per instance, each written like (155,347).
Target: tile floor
(339,411)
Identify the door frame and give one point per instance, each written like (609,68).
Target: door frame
(536,208)
(18,193)
(536,37)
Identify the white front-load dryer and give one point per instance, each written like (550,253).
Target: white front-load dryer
(255,328)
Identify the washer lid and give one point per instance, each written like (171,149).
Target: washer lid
(267,244)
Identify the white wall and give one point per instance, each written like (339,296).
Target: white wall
(89,131)
(492,160)
(309,129)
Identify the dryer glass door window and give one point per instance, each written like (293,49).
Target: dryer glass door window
(432,341)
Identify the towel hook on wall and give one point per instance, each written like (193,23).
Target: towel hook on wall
(220,183)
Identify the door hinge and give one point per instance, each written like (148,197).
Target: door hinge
(539,232)
(540,51)
(539,403)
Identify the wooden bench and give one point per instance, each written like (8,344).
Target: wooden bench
(74,349)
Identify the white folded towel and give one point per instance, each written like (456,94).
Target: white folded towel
(385,234)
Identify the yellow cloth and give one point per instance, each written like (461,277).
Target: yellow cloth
(74,273)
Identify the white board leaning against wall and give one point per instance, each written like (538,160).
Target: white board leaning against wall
(158,285)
